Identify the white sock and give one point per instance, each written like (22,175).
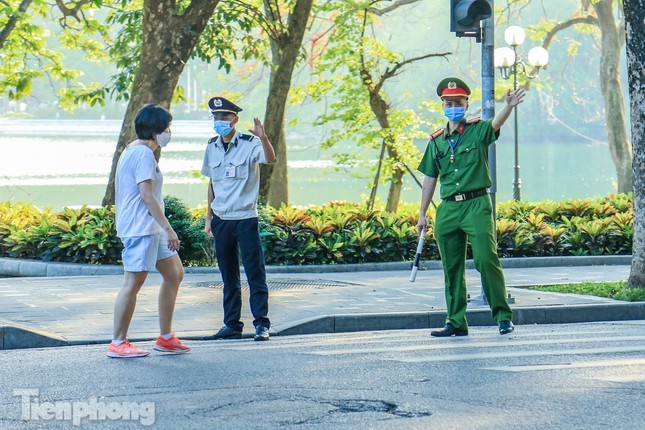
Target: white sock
(167,336)
(118,342)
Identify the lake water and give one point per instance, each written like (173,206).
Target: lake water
(60,163)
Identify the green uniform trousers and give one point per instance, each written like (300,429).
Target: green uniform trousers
(456,222)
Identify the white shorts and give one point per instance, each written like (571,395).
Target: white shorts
(141,253)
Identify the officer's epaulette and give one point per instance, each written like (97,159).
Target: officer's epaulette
(437,133)
(474,120)
(246,136)
(213,139)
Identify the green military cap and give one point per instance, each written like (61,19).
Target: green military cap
(452,87)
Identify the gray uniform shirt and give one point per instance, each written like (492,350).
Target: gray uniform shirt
(235,175)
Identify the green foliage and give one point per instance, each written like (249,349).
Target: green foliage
(613,290)
(236,31)
(339,233)
(85,235)
(196,248)
(336,233)
(26,54)
(74,235)
(353,67)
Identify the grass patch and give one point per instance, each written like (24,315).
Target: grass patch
(613,290)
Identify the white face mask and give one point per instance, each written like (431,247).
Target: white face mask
(163,139)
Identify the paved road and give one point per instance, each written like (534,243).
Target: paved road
(589,376)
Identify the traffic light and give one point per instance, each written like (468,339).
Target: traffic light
(465,16)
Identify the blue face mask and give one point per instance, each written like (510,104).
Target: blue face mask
(223,128)
(455,113)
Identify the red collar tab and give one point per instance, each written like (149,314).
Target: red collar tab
(460,129)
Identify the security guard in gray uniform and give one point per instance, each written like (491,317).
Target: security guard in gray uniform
(232,163)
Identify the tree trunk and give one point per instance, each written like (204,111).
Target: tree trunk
(636,66)
(379,107)
(274,179)
(168,41)
(611,48)
(274,185)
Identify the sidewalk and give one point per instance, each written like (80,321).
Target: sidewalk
(51,311)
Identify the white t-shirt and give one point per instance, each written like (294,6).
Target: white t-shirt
(136,164)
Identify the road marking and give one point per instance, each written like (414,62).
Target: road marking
(583,364)
(622,378)
(465,343)
(416,337)
(499,354)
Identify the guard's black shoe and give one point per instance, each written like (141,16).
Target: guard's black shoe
(225,332)
(505,327)
(261,333)
(449,330)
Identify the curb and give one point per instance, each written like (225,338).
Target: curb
(477,317)
(29,268)
(21,337)
(15,336)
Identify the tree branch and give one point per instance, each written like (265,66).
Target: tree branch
(394,6)
(397,66)
(11,24)
(71,11)
(566,24)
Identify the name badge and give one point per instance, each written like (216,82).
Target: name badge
(230,171)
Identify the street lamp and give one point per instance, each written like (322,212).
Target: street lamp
(510,64)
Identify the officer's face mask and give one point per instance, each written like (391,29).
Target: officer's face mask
(455,113)
(223,128)
(163,139)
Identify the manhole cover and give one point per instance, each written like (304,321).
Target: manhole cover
(281,284)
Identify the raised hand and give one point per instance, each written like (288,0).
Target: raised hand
(515,98)
(258,128)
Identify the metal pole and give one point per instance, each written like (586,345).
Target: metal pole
(517,182)
(488,111)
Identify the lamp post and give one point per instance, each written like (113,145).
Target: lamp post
(510,64)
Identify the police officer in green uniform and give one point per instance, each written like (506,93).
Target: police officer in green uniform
(458,157)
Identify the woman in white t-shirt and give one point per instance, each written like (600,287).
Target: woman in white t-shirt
(149,241)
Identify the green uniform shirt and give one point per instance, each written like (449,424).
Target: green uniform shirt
(469,171)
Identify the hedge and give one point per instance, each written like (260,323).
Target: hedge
(336,233)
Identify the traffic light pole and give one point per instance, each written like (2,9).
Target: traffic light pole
(488,111)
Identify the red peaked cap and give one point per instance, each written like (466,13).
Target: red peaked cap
(452,87)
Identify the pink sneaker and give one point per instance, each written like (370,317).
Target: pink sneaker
(125,350)
(173,345)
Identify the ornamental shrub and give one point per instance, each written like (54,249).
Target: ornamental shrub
(335,233)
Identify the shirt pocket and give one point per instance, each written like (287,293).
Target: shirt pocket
(217,171)
(237,168)
(466,156)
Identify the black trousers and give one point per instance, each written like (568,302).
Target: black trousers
(228,236)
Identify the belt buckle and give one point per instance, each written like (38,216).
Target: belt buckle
(460,197)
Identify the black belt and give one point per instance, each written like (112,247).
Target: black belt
(466,196)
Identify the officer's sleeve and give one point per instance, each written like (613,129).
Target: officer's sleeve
(205,167)
(427,165)
(486,132)
(257,155)
(145,167)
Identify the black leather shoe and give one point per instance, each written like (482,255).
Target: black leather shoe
(261,333)
(449,330)
(505,327)
(225,333)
